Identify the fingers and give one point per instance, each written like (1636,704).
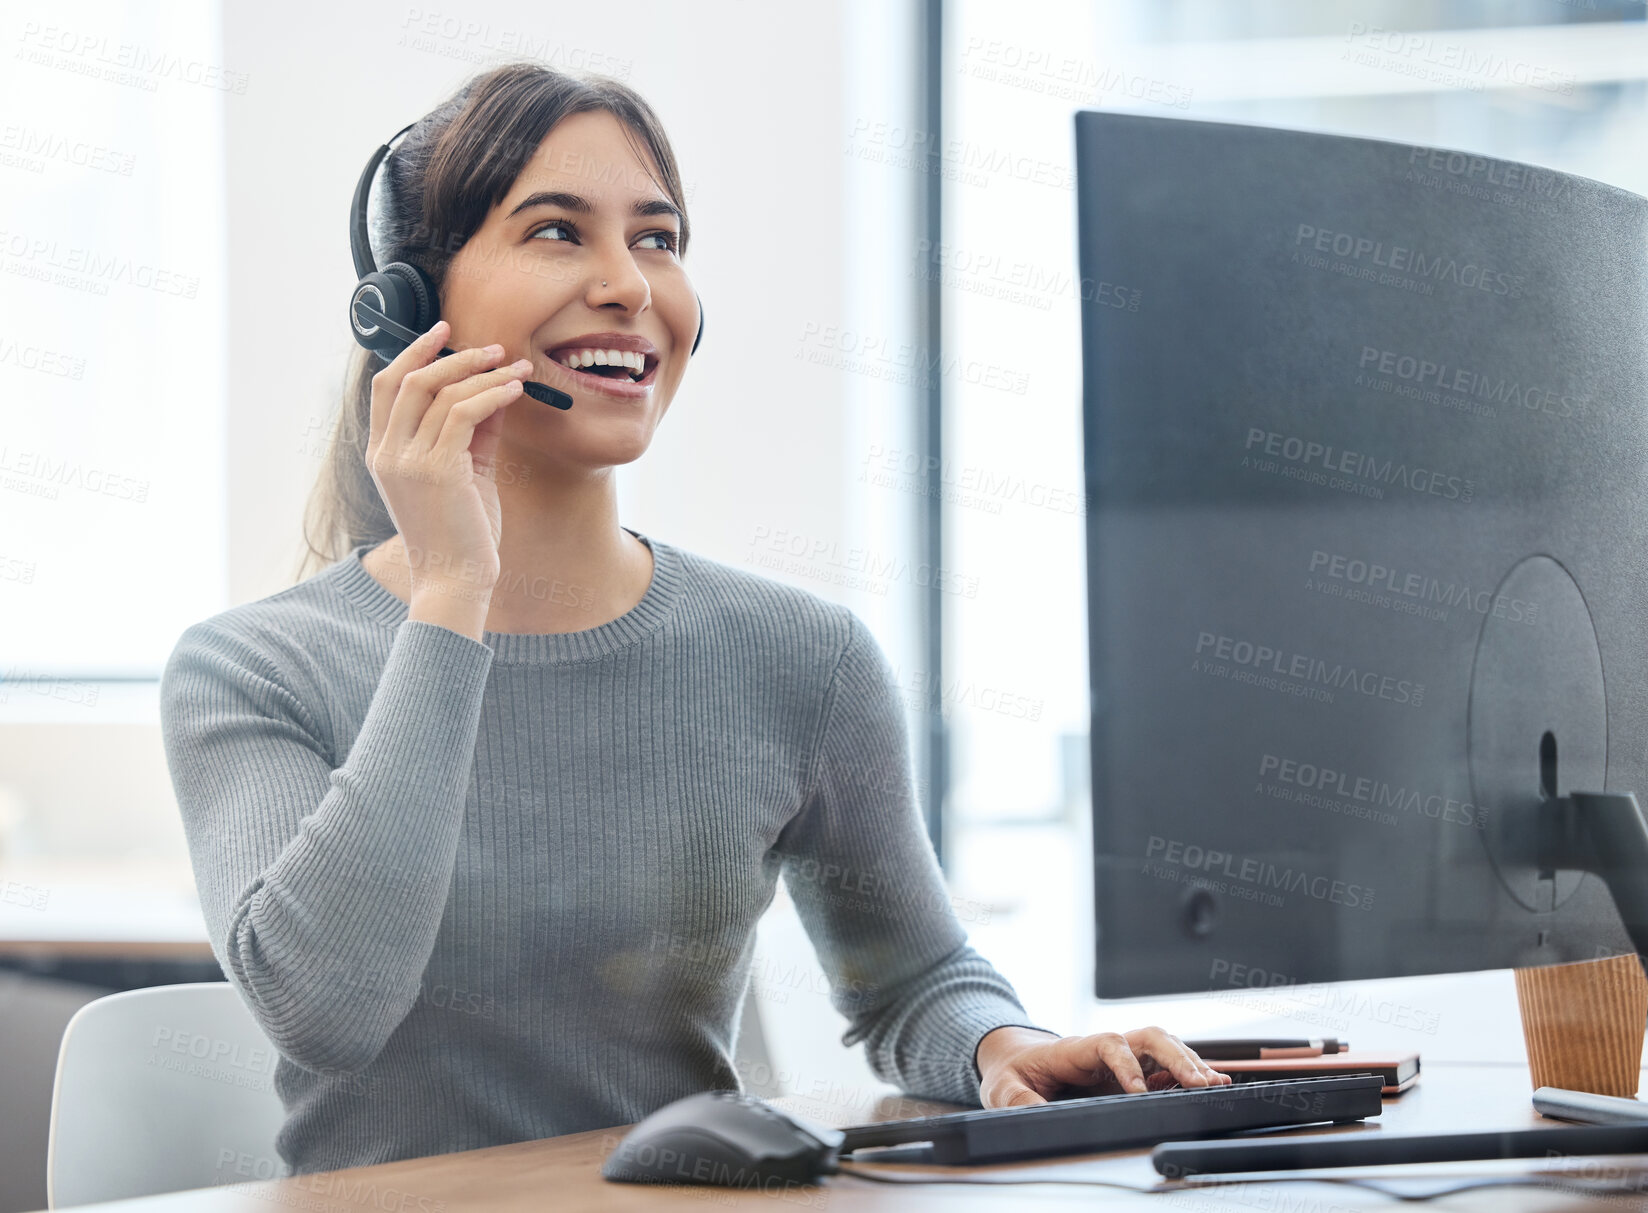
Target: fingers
(1117,1054)
(1012,1094)
(1160,1080)
(1174,1056)
(434,418)
(470,417)
(1087,1061)
(1103,1059)
(386,383)
(419,384)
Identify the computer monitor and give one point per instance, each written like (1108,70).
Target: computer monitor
(1366,443)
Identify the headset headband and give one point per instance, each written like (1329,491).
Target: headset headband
(360,243)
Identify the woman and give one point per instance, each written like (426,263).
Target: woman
(484,814)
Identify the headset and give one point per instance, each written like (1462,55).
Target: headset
(392,307)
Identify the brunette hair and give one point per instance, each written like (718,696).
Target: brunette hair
(434,191)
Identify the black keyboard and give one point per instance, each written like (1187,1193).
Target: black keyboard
(1122,1122)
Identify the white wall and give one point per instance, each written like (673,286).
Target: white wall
(792,234)
(751,97)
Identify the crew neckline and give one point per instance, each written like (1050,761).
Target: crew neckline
(349,576)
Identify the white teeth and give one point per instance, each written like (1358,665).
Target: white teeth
(635,362)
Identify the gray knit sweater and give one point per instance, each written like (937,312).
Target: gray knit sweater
(487,892)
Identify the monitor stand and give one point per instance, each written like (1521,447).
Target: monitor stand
(1605,834)
(1547,683)
(1584,1023)
(1578,833)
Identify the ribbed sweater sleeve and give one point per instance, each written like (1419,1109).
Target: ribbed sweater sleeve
(323,886)
(867,886)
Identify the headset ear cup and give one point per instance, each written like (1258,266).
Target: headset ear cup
(424,304)
(394,299)
(700,336)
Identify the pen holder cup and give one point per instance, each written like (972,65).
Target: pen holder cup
(1584,1024)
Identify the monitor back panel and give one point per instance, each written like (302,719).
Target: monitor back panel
(1368,515)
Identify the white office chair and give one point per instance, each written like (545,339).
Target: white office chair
(172,1087)
(159,1090)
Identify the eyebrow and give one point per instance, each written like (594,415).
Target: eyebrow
(576,202)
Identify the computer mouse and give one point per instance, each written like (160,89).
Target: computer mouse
(725,1138)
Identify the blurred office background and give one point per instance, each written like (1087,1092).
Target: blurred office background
(882,202)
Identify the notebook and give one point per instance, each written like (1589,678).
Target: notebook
(1399,1070)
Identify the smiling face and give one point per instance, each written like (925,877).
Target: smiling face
(584,210)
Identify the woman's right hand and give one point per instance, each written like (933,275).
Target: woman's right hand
(435,426)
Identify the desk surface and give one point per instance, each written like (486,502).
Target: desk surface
(564,1172)
(91,908)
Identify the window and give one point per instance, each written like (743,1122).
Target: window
(1553,83)
(111,347)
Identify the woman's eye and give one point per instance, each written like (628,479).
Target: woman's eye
(669,238)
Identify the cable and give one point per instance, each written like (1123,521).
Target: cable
(1583,1187)
(846,1166)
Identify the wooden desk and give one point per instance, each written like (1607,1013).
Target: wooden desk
(564,1173)
(88,908)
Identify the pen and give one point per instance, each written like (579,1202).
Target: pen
(1256,1050)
